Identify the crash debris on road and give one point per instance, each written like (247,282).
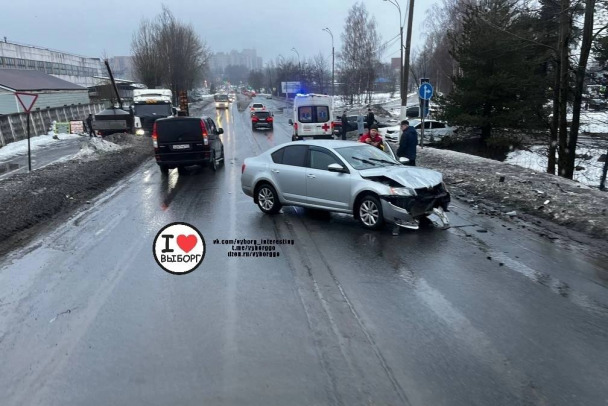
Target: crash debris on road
(513,191)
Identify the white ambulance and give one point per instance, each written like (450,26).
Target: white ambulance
(312,117)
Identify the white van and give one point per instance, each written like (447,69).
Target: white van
(312,115)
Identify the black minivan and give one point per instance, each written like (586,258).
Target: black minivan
(185,141)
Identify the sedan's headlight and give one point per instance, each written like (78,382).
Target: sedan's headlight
(402,191)
(140,132)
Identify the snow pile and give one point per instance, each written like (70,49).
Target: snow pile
(377,98)
(38,142)
(590,167)
(504,188)
(92,148)
(594,122)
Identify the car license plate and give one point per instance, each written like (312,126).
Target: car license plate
(181,146)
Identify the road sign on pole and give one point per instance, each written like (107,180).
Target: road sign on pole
(27,101)
(426,91)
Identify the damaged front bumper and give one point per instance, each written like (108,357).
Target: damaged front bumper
(406,211)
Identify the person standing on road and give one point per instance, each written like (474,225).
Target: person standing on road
(360,124)
(344,127)
(408,143)
(370,119)
(90,125)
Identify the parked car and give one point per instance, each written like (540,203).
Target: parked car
(433,130)
(345,177)
(185,141)
(262,119)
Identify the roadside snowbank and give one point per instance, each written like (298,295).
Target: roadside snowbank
(92,148)
(478,182)
(41,141)
(29,200)
(590,167)
(594,122)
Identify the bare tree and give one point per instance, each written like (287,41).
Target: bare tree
(359,55)
(146,65)
(169,53)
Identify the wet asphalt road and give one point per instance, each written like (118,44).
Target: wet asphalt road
(342,317)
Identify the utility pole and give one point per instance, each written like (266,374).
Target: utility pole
(402,86)
(332,61)
(406,67)
(299,67)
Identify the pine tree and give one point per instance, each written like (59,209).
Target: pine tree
(500,82)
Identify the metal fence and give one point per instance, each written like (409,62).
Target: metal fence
(13,127)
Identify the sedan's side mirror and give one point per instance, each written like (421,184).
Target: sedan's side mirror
(335,168)
(290,121)
(404,160)
(220,131)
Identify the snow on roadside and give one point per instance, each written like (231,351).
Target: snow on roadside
(91,148)
(536,160)
(477,181)
(594,122)
(38,142)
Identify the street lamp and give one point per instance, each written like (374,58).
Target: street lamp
(332,59)
(297,53)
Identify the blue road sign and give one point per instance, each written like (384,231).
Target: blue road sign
(426,91)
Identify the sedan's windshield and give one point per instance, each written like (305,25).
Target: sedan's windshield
(366,157)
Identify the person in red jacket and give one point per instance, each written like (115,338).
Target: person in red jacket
(373,137)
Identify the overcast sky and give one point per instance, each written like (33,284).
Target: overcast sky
(272,27)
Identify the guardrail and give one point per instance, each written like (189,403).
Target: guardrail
(13,127)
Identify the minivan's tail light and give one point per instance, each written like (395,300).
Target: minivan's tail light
(269,119)
(154,136)
(254,119)
(242,168)
(295,128)
(204,133)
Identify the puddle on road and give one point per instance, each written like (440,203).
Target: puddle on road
(8,167)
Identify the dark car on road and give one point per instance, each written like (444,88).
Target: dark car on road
(185,141)
(262,119)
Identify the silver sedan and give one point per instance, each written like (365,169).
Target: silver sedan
(345,177)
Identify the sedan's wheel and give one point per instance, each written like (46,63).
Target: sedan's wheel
(213,161)
(268,201)
(370,213)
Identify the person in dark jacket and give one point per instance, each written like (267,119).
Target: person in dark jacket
(90,125)
(370,119)
(408,143)
(344,126)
